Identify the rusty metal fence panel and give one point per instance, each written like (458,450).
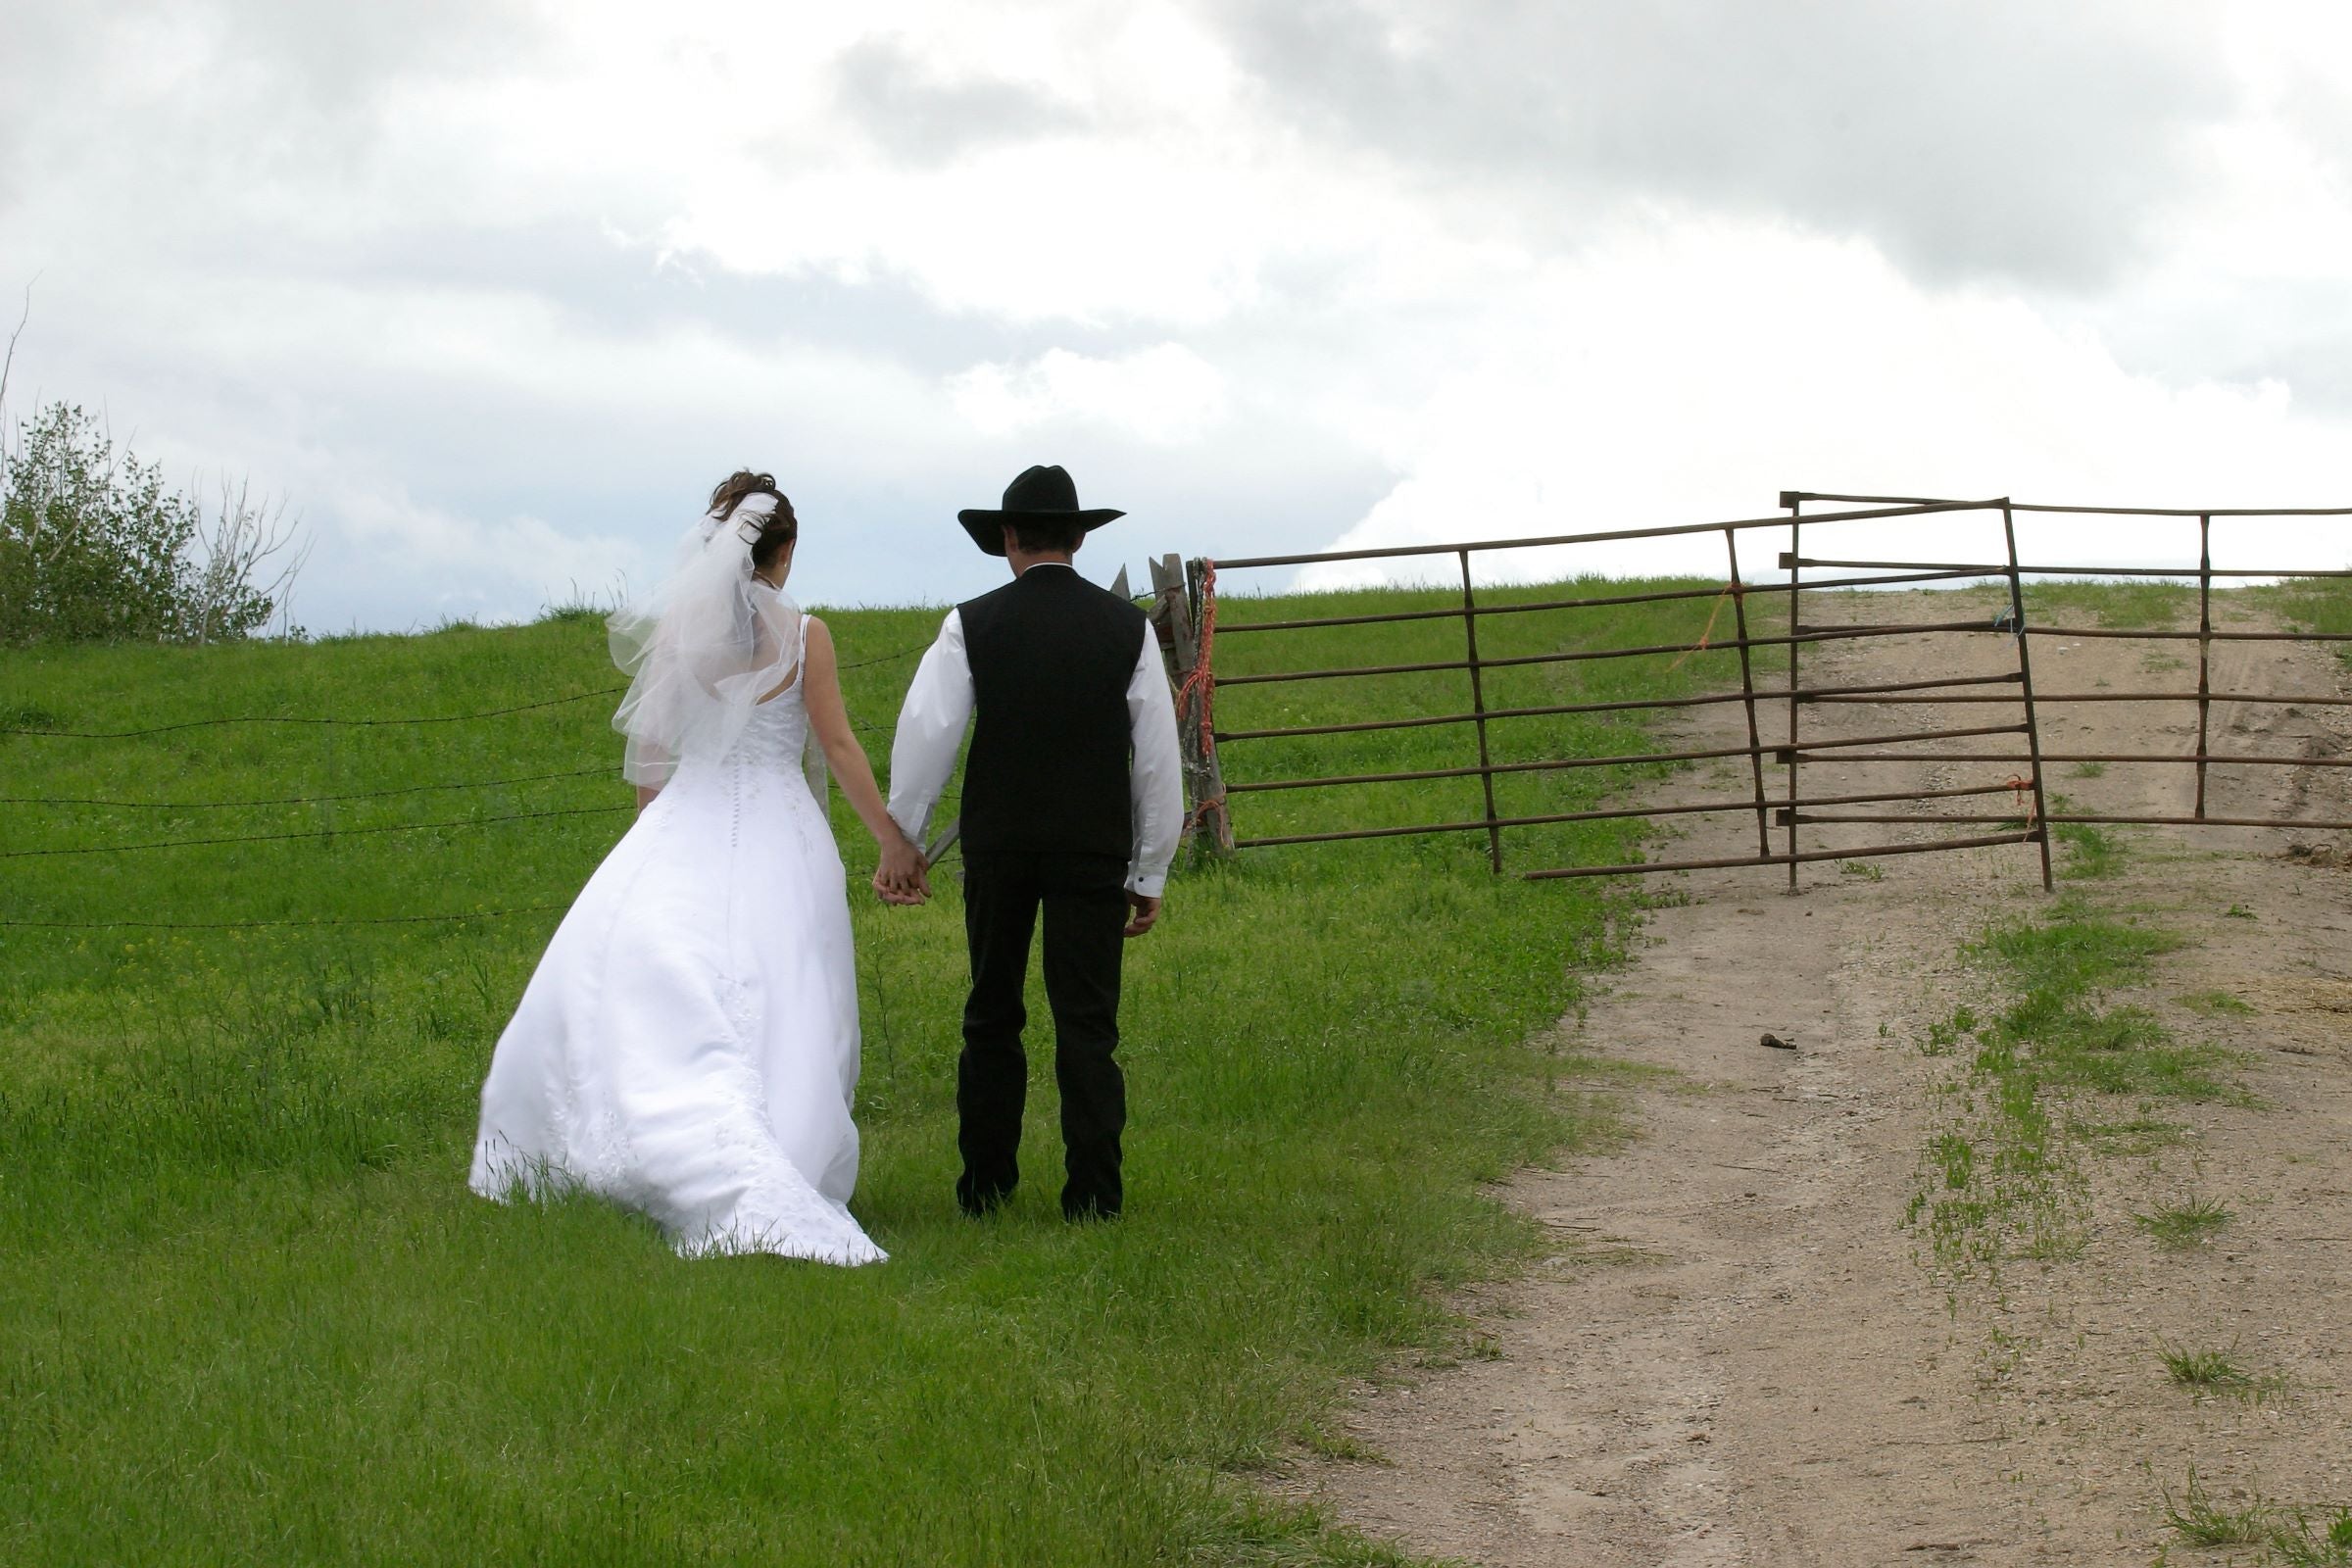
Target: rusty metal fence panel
(2201,756)
(1792,808)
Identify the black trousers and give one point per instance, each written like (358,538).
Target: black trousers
(1084,905)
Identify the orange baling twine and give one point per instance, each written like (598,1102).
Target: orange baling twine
(1707,633)
(1200,689)
(2024,795)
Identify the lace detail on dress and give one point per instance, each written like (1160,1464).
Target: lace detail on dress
(778,733)
(742,1011)
(771,763)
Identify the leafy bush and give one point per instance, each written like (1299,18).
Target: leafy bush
(94,547)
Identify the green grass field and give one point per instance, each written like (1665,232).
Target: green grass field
(2317,605)
(249,1312)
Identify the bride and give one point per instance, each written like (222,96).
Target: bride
(689,1044)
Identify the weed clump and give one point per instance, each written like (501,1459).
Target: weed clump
(2192,1222)
(2205,1372)
(2300,1545)
(2295,1537)
(2200,1521)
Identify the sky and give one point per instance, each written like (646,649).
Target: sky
(491,292)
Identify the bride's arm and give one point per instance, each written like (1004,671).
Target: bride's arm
(901,859)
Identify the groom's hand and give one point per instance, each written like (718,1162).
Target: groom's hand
(902,877)
(1145,914)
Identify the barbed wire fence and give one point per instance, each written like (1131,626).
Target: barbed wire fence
(330,722)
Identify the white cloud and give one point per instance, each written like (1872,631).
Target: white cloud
(477,564)
(1167,396)
(1669,379)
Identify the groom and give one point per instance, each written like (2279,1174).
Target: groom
(1072,804)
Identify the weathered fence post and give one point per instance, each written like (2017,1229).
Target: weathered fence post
(1211,819)
(1206,824)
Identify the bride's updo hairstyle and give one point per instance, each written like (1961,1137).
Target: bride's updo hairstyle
(777,532)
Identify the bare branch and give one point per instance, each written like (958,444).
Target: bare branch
(8,363)
(246,535)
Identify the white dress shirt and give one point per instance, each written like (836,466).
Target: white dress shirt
(939,705)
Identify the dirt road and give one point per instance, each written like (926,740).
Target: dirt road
(1741,1354)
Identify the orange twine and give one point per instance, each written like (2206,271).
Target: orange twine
(1707,634)
(2024,788)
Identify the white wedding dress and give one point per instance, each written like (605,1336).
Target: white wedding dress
(688,1047)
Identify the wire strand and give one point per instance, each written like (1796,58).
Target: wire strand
(884,659)
(248,925)
(301,800)
(427,718)
(277,718)
(313,833)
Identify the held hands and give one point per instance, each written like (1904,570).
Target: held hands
(903,876)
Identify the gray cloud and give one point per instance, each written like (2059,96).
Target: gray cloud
(609,288)
(338,53)
(173,99)
(926,117)
(42,47)
(2268,310)
(2298,332)
(1968,138)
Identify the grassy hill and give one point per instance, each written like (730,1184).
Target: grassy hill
(249,1312)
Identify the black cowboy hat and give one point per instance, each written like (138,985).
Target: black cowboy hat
(1042,494)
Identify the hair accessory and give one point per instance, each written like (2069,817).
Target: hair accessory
(753,509)
(750,516)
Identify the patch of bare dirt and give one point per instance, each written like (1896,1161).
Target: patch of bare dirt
(1740,1354)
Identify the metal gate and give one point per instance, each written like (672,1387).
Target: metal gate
(1190,620)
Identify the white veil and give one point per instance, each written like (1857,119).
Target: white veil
(704,648)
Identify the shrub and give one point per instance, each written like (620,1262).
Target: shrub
(94,547)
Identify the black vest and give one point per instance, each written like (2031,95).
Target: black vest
(1051,656)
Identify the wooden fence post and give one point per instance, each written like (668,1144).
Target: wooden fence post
(1172,618)
(1206,824)
(1212,814)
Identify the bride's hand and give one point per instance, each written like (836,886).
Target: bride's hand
(902,877)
